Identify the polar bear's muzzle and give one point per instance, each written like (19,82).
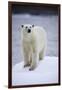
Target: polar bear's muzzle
(29,30)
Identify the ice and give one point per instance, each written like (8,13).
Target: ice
(45,73)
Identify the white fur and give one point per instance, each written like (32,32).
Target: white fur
(34,45)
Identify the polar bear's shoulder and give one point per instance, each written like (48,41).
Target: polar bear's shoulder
(39,29)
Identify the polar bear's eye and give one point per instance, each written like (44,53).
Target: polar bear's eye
(30,26)
(26,27)
(22,26)
(33,25)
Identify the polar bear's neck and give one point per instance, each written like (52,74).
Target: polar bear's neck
(27,37)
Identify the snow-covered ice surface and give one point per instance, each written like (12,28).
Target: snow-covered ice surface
(45,73)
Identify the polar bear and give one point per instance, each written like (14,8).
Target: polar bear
(33,44)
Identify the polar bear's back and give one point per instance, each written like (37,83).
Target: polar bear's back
(40,34)
(40,30)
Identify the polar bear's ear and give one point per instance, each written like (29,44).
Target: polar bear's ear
(22,26)
(33,25)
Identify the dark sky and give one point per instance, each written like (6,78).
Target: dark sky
(34,9)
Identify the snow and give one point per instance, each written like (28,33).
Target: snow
(45,73)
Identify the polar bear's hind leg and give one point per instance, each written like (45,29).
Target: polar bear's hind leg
(41,54)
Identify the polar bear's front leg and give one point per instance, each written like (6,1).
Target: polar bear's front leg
(26,60)
(34,63)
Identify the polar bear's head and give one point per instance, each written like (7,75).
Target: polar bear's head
(27,28)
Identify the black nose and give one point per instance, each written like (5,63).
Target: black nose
(29,30)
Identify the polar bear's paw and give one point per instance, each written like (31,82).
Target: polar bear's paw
(32,68)
(26,65)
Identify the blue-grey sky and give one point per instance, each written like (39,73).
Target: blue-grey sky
(34,9)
